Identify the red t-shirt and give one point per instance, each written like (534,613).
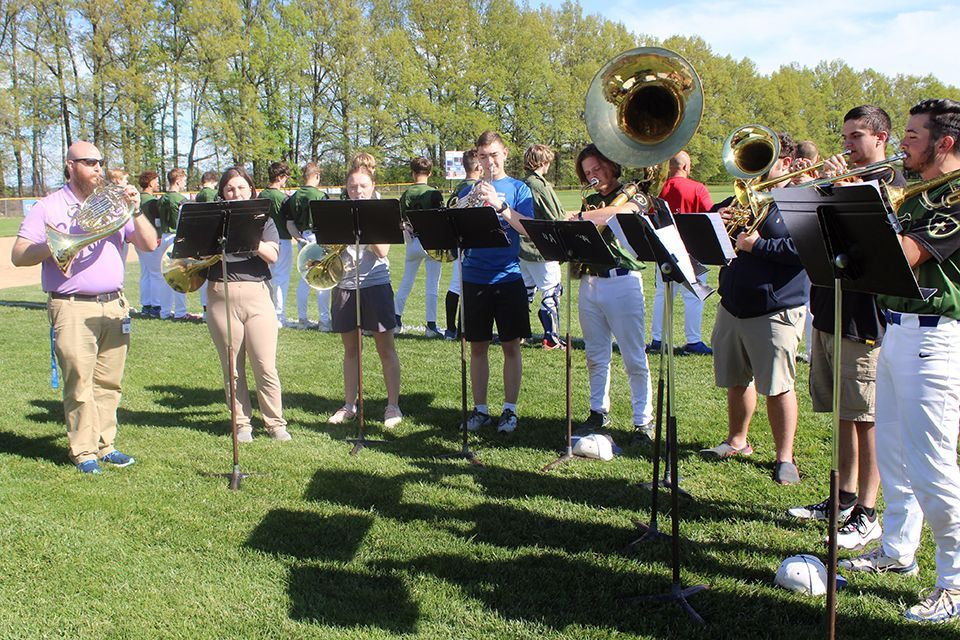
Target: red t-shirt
(685,195)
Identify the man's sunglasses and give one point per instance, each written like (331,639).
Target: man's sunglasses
(89,162)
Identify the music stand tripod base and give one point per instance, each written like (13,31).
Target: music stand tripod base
(360,442)
(677,594)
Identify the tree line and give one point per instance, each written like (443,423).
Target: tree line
(210,83)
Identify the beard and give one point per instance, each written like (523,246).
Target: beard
(917,164)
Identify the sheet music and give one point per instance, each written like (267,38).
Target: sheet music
(670,238)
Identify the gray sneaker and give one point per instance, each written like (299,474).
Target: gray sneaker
(478,419)
(877,561)
(508,422)
(819,511)
(245,434)
(786,473)
(280,434)
(941,605)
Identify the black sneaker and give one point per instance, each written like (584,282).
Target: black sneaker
(643,434)
(596,421)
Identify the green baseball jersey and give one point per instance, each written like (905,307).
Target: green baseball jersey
(170,210)
(938,232)
(207,194)
(300,206)
(420,196)
(546,206)
(276,198)
(622,256)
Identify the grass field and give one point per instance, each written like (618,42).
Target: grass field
(394,542)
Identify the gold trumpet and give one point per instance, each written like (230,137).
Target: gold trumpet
(320,265)
(103,213)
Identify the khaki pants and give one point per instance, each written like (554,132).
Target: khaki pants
(91,349)
(253,326)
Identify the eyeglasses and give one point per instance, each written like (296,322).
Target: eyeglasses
(89,162)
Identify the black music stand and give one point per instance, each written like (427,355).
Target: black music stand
(568,241)
(348,222)
(234,227)
(460,229)
(655,238)
(847,241)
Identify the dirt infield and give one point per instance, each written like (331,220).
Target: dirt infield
(11,276)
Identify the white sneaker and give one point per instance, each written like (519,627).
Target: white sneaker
(478,419)
(819,511)
(245,434)
(941,605)
(877,561)
(508,422)
(392,416)
(858,531)
(341,415)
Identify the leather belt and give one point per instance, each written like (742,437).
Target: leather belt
(83,297)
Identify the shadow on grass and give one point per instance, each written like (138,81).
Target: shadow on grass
(330,595)
(340,598)
(38,448)
(47,411)
(310,536)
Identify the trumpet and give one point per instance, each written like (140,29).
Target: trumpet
(858,171)
(103,213)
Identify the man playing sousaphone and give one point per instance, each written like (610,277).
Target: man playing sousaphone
(86,307)
(611,303)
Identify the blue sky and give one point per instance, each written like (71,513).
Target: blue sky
(891,37)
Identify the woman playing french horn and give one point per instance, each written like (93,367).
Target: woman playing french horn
(376,312)
(253,320)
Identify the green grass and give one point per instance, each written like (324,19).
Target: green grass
(393,542)
(9,226)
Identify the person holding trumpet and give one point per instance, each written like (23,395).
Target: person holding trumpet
(866,130)
(253,319)
(88,313)
(918,380)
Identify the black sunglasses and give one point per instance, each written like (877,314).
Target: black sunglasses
(89,162)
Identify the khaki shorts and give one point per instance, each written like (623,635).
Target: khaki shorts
(760,350)
(858,377)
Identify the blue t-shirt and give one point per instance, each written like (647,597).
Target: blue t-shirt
(501,264)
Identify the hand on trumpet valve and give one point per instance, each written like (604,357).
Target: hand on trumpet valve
(490,195)
(800,164)
(835,165)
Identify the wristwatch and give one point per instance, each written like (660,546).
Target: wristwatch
(503,207)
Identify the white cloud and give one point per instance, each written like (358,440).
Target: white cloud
(883,35)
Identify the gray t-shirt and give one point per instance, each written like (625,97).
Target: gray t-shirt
(373,269)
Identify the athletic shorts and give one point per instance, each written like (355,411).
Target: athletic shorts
(858,377)
(504,303)
(761,350)
(376,309)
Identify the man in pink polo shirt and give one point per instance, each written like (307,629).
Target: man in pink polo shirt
(86,307)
